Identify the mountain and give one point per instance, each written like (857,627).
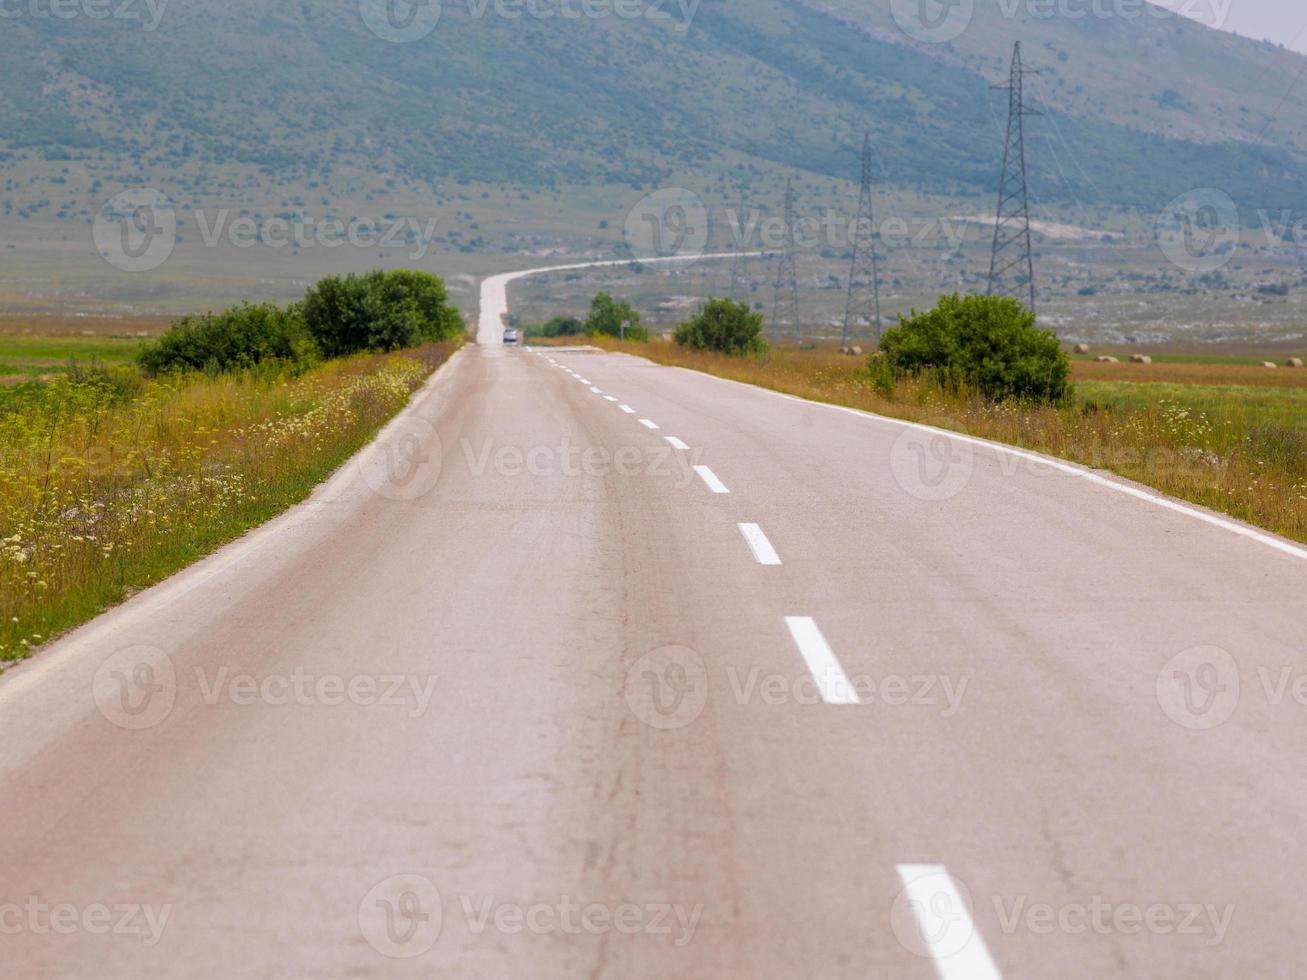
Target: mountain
(1135,109)
(524,123)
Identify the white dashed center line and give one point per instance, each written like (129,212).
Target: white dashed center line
(675,443)
(595,390)
(943,924)
(710,478)
(759,545)
(627,409)
(832,682)
(648,425)
(609,398)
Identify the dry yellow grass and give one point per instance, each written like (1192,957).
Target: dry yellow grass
(1191,373)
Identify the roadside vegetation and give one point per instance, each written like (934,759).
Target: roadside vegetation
(607,318)
(114,477)
(723,326)
(1239,449)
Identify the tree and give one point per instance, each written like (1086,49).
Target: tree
(989,343)
(379,311)
(725,326)
(611,318)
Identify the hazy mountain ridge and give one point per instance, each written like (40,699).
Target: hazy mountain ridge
(302,89)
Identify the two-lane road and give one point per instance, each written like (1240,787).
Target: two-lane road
(597,668)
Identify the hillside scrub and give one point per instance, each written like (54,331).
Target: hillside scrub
(1211,445)
(110,481)
(987,344)
(723,326)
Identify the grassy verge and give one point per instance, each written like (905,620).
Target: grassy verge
(110,483)
(1239,449)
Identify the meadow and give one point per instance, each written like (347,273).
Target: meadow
(1237,448)
(111,481)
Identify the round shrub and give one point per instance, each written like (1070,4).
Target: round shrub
(724,326)
(988,343)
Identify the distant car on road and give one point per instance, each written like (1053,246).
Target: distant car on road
(510,335)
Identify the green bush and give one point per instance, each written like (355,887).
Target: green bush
(235,339)
(562,326)
(988,343)
(724,326)
(379,311)
(611,318)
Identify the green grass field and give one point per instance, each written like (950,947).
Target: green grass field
(1251,405)
(24,356)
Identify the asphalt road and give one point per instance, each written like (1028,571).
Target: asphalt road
(594,668)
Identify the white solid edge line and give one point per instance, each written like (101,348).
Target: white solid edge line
(649,425)
(1155,497)
(762,548)
(710,478)
(627,409)
(940,911)
(675,443)
(832,682)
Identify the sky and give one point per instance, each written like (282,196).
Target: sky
(1282,21)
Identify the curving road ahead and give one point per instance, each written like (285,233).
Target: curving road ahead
(591,667)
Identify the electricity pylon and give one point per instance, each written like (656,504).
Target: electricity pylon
(1013,256)
(738,235)
(785,307)
(863,305)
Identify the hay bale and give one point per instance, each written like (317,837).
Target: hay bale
(1106,359)
(1081,348)
(1140,359)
